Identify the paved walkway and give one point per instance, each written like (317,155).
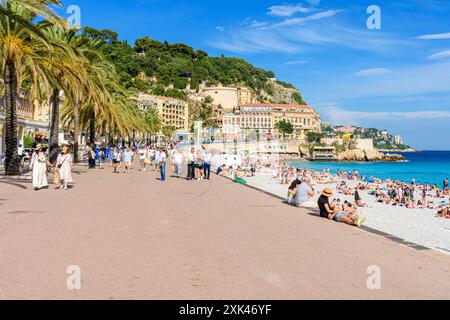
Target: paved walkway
(136,238)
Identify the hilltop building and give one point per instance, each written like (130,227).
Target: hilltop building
(230,97)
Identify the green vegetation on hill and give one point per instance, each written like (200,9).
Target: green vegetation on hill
(382,139)
(152,65)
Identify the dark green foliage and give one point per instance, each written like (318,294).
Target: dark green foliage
(298,98)
(178,65)
(314,137)
(285,127)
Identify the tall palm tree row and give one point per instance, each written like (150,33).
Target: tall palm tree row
(19,37)
(58,66)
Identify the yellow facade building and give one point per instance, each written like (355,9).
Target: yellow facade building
(174,112)
(263,117)
(29,121)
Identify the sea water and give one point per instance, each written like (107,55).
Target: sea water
(426,166)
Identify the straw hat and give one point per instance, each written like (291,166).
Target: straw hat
(39,146)
(327,192)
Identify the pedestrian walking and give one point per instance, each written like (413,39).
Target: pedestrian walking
(191,164)
(207,163)
(162,163)
(38,165)
(178,163)
(64,165)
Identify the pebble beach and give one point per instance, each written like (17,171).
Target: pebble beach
(418,226)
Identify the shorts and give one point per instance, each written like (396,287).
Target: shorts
(199,166)
(338,216)
(116,161)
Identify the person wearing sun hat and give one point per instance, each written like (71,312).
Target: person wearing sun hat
(38,165)
(333,213)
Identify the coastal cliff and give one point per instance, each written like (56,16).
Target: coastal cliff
(359,155)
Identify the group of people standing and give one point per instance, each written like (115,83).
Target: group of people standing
(199,164)
(197,161)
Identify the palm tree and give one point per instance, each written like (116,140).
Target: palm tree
(168,132)
(65,76)
(153,122)
(19,37)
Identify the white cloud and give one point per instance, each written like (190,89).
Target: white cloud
(290,63)
(372,72)
(288,10)
(314,2)
(426,79)
(304,20)
(258,24)
(437,36)
(220,28)
(338,115)
(440,55)
(255,41)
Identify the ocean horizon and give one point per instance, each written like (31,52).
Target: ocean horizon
(431,166)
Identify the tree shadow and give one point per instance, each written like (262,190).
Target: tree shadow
(15,184)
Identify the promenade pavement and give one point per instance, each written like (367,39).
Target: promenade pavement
(134,237)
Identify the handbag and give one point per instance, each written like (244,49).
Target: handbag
(56,177)
(60,165)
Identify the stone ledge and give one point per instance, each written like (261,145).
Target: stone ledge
(16,178)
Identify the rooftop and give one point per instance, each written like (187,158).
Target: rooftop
(275,105)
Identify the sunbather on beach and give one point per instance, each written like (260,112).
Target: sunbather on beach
(333,213)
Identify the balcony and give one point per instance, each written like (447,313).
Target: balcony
(24,108)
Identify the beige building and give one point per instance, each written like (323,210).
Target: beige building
(263,118)
(27,121)
(174,112)
(229,97)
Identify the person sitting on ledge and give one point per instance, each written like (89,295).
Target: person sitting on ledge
(293,191)
(334,213)
(304,194)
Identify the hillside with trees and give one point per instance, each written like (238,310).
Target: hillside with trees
(177,69)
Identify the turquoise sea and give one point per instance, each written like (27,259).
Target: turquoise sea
(426,166)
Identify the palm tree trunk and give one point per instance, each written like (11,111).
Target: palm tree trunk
(11,156)
(54,128)
(76,131)
(92,129)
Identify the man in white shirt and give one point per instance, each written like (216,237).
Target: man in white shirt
(207,163)
(162,163)
(304,194)
(20,153)
(178,162)
(191,164)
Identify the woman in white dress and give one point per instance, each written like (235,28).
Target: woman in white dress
(65,166)
(38,165)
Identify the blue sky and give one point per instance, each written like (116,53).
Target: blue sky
(396,78)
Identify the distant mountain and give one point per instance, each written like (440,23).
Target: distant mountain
(178,70)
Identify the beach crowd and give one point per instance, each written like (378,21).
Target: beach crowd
(412,195)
